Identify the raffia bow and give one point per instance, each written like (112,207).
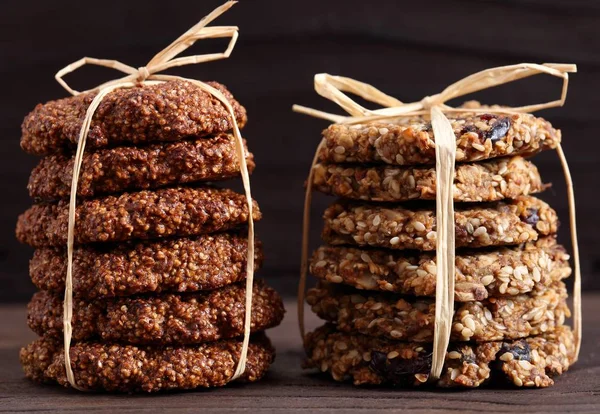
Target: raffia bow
(333,88)
(147,75)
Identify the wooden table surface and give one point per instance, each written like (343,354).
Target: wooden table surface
(288,388)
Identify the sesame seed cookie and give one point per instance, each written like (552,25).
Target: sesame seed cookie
(408,319)
(165,319)
(528,267)
(473,182)
(129,368)
(182,211)
(185,264)
(365,360)
(168,111)
(120,169)
(392,226)
(410,141)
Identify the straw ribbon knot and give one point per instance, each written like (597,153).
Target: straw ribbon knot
(143,73)
(428,102)
(333,88)
(148,75)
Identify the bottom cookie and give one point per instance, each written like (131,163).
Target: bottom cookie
(530,362)
(127,368)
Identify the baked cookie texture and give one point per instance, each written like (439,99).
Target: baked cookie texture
(410,141)
(167,319)
(168,111)
(408,319)
(169,212)
(515,221)
(121,169)
(181,265)
(480,273)
(474,182)
(115,367)
(366,360)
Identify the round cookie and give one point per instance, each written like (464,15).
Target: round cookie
(408,319)
(168,111)
(129,368)
(410,141)
(529,267)
(166,319)
(120,169)
(182,211)
(365,360)
(391,226)
(474,182)
(204,262)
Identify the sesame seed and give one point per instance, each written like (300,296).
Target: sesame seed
(418,226)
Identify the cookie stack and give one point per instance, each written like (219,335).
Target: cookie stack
(160,257)
(377,273)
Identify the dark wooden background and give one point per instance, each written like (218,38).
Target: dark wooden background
(406,48)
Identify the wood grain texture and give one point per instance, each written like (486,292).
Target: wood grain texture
(287,387)
(408,49)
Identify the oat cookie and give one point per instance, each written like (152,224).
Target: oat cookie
(165,319)
(474,182)
(408,319)
(392,226)
(129,368)
(138,168)
(168,111)
(204,262)
(529,267)
(182,211)
(530,362)
(410,141)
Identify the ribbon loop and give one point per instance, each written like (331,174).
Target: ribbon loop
(107,63)
(166,58)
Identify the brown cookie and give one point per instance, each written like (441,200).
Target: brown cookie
(167,319)
(511,222)
(529,267)
(168,111)
(129,368)
(182,211)
(204,262)
(474,182)
(122,169)
(365,360)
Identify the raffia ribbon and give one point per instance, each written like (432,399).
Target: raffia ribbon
(333,88)
(148,75)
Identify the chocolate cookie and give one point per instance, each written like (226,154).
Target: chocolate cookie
(166,212)
(530,362)
(474,182)
(168,111)
(129,368)
(172,265)
(408,319)
(392,226)
(138,168)
(410,141)
(529,267)
(166,319)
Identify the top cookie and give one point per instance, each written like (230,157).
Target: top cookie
(410,141)
(167,111)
